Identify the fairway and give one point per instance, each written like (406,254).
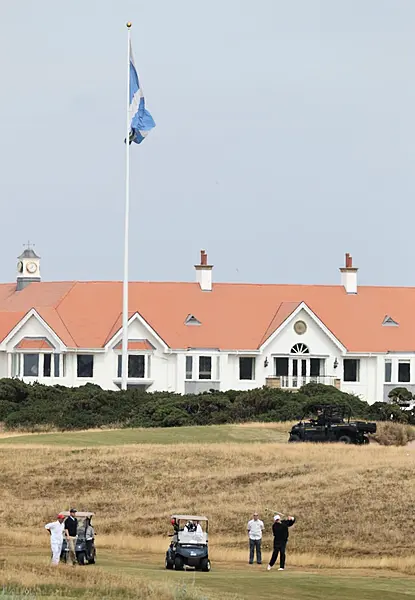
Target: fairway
(121,575)
(211,434)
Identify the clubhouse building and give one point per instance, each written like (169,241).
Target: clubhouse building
(193,337)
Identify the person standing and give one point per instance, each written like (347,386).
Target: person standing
(56,529)
(280,533)
(89,537)
(255,528)
(71,530)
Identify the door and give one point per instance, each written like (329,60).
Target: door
(299,371)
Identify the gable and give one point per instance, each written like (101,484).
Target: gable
(303,328)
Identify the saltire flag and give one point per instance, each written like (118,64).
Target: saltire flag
(141,122)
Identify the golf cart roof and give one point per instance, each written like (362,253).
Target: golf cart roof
(189,518)
(80,514)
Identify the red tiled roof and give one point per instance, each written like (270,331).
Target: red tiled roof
(136,345)
(232,316)
(34,344)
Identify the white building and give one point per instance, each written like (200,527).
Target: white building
(191,337)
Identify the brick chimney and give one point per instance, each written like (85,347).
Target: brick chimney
(349,275)
(204,273)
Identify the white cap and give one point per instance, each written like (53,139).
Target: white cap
(277,518)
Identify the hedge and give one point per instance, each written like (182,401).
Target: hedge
(37,406)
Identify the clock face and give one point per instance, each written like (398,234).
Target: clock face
(20,267)
(31,267)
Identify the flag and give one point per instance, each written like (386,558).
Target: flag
(141,122)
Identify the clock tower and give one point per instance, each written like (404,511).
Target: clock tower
(28,267)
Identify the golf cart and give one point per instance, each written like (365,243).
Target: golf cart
(189,545)
(85,550)
(330,423)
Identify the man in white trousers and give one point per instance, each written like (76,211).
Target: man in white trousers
(56,537)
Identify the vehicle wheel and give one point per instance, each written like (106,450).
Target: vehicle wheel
(81,558)
(205,564)
(168,564)
(345,439)
(366,440)
(64,557)
(294,438)
(178,563)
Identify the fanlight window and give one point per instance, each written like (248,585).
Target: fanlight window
(300,349)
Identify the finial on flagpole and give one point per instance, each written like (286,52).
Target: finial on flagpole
(129,24)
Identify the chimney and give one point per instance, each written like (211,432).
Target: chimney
(204,273)
(349,275)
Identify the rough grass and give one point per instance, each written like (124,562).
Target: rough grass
(394,434)
(354,504)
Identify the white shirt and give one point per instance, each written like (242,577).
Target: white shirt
(56,531)
(255,528)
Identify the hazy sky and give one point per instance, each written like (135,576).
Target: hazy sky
(285,137)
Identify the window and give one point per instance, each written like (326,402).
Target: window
(388,371)
(31,365)
(85,365)
(15,365)
(56,365)
(300,349)
(136,366)
(351,368)
(47,363)
(246,367)
(281,367)
(404,372)
(315,367)
(189,367)
(205,367)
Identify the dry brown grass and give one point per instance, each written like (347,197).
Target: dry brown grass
(394,434)
(37,579)
(354,504)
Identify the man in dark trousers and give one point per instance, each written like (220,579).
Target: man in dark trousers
(71,530)
(280,532)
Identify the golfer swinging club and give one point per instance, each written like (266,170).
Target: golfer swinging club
(280,533)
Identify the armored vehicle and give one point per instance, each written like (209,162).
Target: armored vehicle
(330,423)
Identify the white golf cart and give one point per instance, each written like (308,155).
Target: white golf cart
(189,545)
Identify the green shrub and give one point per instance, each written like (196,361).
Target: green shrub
(40,406)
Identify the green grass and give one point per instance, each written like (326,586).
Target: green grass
(228,582)
(256,583)
(172,435)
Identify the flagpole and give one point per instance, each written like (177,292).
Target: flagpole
(124,359)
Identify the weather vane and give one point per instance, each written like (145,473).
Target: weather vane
(29,245)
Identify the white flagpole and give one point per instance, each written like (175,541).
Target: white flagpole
(124,359)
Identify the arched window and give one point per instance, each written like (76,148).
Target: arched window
(300,349)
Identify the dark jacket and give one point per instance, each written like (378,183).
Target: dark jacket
(280,531)
(71,524)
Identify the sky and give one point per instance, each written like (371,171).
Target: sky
(285,137)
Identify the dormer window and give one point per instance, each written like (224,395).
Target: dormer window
(389,322)
(191,320)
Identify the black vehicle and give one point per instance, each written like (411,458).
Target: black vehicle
(331,423)
(84,549)
(189,545)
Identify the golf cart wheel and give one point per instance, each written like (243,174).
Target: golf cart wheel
(178,563)
(345,439)
(205,564)
(294,438)
(366,440)
(81,558)
(168,564)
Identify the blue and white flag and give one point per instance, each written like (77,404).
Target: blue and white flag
(141,122)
